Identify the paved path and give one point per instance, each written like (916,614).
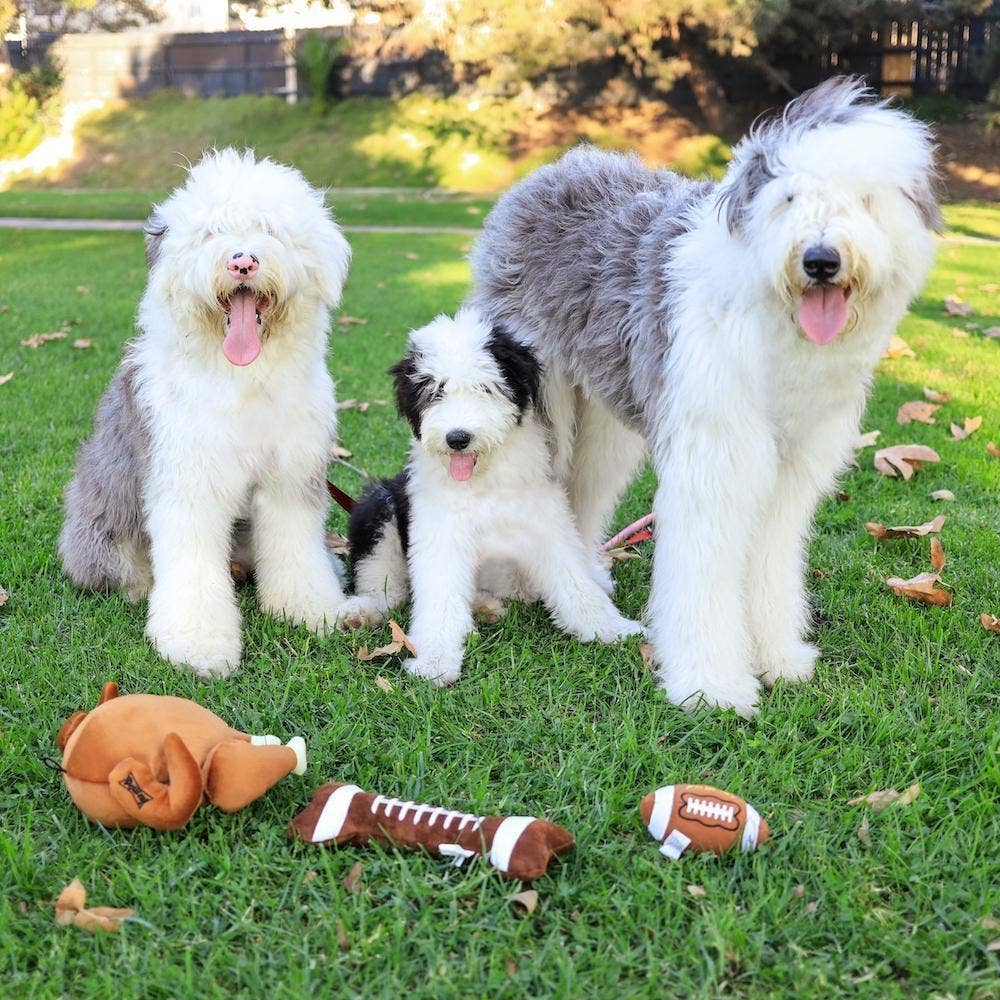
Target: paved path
(135,225)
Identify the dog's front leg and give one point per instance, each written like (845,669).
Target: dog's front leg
(193,618)
(442,561)
(714,468)
(294,569)
(777,600)
(561,568)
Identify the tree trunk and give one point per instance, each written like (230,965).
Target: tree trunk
(705,84)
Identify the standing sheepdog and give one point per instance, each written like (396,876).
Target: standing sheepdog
(731,329)
(222,413)
(477,511)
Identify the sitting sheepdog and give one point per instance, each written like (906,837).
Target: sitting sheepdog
(222,412)
(731,330)
(477,502)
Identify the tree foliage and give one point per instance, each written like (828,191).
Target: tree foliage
(506,47)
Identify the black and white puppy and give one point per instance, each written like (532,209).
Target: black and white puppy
(477,496)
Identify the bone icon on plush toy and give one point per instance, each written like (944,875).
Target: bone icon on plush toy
(698,818)
(519,847)
(153,760)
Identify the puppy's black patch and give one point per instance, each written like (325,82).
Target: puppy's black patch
(383,503)
(414,389)
(519,366)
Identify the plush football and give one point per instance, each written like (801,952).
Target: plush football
(698,818)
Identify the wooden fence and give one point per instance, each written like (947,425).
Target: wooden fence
(911,57)
(209,64)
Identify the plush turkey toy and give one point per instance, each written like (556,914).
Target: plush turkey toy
(153,759)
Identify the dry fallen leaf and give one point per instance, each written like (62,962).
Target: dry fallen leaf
(956,307)
(898,348)
(991,447)
(400,640)
(4,596)
(82,343)
(992,332)
(238,572)
(384,684)
(936,397)
(6,378)
(412,256)
(917,409)
(811,906)
(989,922)
(648,659)
(863,835)
(37,339)
(971,425)
(83,289)
(697,890)
(337,544)
(71,899)
(339,452)
(887,797)
(990,622)
(994,945)
(398,635)
(942,495)
(937,555)
(309,877)
(903,459)
(527,900)
(866,440)
(352,880)
(71,909)
(799,891)
(346,320)
(880,531)
(920,588)
(622,554)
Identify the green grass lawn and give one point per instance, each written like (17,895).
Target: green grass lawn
(538,723)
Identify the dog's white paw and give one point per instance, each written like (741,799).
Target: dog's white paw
(360,612)
(488,608)
(618,629)
(209,655)
(795,665)
(318,614)
(696,689)
(439,671)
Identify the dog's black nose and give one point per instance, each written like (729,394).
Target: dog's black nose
(458,440)
(821,263)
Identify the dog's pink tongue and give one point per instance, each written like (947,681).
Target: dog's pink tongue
(461,466)
(242,343)
(823,313)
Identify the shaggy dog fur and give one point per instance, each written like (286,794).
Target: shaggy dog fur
(477,508)
(197,432)
(731,330)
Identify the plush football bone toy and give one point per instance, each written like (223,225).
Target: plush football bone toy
(519,847)
(153,759)
(699,818)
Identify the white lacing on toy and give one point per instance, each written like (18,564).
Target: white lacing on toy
(420,809)
(719,811)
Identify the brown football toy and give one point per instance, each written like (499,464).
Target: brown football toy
(701,818)
(152,759)
(519,847)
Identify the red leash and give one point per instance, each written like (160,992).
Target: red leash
(340,496)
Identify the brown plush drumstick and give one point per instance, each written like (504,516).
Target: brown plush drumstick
(519,847)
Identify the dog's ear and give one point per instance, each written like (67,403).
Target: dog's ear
(154,230)
(519,366)
(411,388)
(923,194)
(749,172)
